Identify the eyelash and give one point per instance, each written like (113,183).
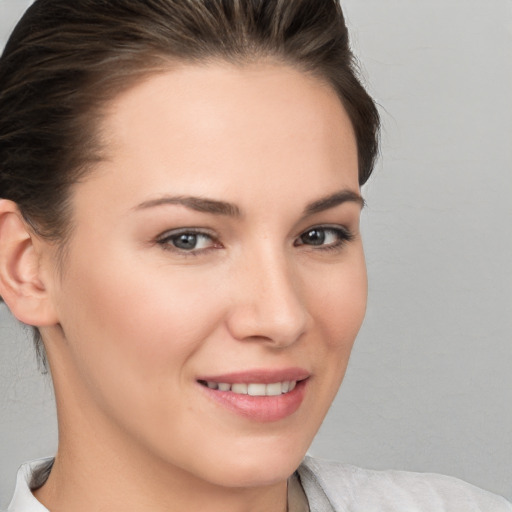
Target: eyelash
(166,241)
(342,234)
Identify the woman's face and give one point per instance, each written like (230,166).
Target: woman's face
(215,252)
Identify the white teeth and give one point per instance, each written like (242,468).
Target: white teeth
(274,389)
(241,389)
(255,389)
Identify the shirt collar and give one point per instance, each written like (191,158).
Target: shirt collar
(23,499)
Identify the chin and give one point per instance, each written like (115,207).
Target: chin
(261,464)
(255,473)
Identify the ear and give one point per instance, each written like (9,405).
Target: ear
(21,285)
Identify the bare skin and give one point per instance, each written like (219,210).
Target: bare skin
(274,280)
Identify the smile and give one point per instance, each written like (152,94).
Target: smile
(262,395)
(253,389)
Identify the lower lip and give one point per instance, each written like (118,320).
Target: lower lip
(260,408)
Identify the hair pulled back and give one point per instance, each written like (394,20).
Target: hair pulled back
(66,59)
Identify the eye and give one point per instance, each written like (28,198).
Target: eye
(325,237)
(188,240)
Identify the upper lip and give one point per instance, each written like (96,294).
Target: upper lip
(259,375)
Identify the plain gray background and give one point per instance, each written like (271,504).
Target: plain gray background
(429,386)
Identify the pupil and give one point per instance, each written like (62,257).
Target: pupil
(314,237)
(186,241)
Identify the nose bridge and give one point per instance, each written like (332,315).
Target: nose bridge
(269,304)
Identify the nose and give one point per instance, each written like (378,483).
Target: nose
(267,305)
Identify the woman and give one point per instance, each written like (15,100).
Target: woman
(180,224)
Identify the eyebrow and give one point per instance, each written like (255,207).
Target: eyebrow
(330,201)
(216,207)
(199,204)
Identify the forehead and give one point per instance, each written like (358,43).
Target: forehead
(223,129)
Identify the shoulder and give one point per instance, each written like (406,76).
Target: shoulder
(349,488)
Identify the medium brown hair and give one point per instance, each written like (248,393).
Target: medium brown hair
(67,58)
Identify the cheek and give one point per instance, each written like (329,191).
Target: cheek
(338,308)
(136,325)
(340,305)
(336,305)
(131,340)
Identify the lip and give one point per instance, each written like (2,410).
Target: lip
(259,408)
(259,376)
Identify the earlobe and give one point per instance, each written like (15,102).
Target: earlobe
(21,285)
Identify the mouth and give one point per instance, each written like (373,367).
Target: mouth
(262,396)
(253,388)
